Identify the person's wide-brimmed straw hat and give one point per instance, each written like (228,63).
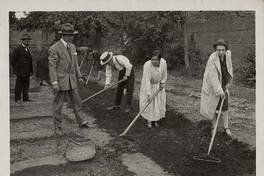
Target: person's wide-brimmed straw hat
(106,57)
(26,37)
(67,29)
(220,42)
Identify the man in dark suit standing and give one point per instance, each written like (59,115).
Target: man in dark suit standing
(128,48)
(22,65)
(64,76)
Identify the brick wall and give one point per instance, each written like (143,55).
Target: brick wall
(237,28)
(40,40)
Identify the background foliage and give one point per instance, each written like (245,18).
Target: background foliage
(148,30)
(246,72)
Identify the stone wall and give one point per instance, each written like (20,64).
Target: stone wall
(237,28)
(40,41)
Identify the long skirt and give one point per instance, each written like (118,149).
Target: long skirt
(157,108)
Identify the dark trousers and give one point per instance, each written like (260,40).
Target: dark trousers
(22,86)
(58,103)
(225,104)
(128,84)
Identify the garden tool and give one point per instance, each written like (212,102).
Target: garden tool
(89,75)
(207,157)
(139,114)
(80,66)
(101,91)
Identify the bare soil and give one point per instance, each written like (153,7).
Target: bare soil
(173,145)
(183,134)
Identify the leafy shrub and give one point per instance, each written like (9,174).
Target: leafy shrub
(246,72)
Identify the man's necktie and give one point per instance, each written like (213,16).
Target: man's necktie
(69,50)
(26,49)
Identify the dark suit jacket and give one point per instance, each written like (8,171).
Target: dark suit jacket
(63,66)
(22,61)
(42,70)
(96,62)
(128,51)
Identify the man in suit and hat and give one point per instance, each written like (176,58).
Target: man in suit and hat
(22,65)
(128,48)
(126,72)
(64,76)
(218,77)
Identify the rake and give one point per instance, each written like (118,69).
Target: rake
(101,91)
(207,157)
(139,114)
(89,75)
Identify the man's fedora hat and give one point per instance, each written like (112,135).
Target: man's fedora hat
(106,57)
(67,29)
(26,37)
(220,42)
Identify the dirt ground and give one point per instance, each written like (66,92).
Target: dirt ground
(182,134)
(174,144)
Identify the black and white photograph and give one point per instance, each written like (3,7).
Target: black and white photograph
(132,92)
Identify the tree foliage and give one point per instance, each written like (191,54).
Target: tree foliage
(247,70)
(148,30)
(12,19)
(136,24)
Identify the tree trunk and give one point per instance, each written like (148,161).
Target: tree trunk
(186,58)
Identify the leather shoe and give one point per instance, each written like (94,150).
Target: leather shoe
(149,124)
(83,124)
(228,132)
(127,110)
(18,102)
(113,108)
(27,100)
(156,124)
(58,131)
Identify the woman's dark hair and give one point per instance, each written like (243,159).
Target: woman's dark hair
(220,42)
(157,53)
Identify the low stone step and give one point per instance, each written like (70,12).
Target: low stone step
(33,110)
(31,128)
(48,160)
(38,148)
(42,97)
(38,127)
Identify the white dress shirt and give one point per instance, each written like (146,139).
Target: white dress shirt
(64,43)
(120,62)
(24,47)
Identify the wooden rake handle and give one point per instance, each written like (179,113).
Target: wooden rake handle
(101,91)
(89,75)
(138,115)
(216,124)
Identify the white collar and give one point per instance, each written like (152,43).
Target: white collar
(64,43)
(23,45)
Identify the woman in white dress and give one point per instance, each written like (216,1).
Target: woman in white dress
(154,77)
